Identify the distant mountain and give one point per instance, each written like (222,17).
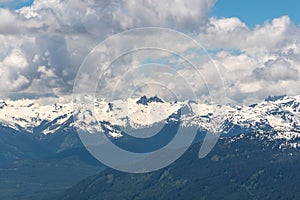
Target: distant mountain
(275,118)
(145,101)
(280,114)
(27,126)
(39,130)
(46,135)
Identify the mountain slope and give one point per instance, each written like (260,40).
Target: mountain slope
(41,168)
(38,166)
(243,168)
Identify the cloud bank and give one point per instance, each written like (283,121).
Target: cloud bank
(42,46)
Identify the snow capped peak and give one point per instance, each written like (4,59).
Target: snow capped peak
(144,100)
(135,112)
(275,118)
(275,98)
(2,104)
(29,114)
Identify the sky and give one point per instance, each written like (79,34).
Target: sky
(254,12)
(15,4)
(254,44)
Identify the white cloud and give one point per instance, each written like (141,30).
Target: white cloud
(181,15)
(276,70)
(255,62)
(11,71)
(231,33)
(58,35)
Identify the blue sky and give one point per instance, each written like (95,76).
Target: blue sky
(254,12)
(15,4)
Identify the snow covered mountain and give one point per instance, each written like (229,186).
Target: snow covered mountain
(276,118)
(27,115)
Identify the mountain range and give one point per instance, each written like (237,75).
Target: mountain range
(275,118)
(36,137)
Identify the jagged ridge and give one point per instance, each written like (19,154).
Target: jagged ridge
(274,119)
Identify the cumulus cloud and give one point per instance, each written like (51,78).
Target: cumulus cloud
(12,71)
(232,33)
(255,62)
(276,70)
(59,34)
(42,46)
(181,15)
(248,78)
(46,34)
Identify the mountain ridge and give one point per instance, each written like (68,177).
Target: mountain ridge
(277,115)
